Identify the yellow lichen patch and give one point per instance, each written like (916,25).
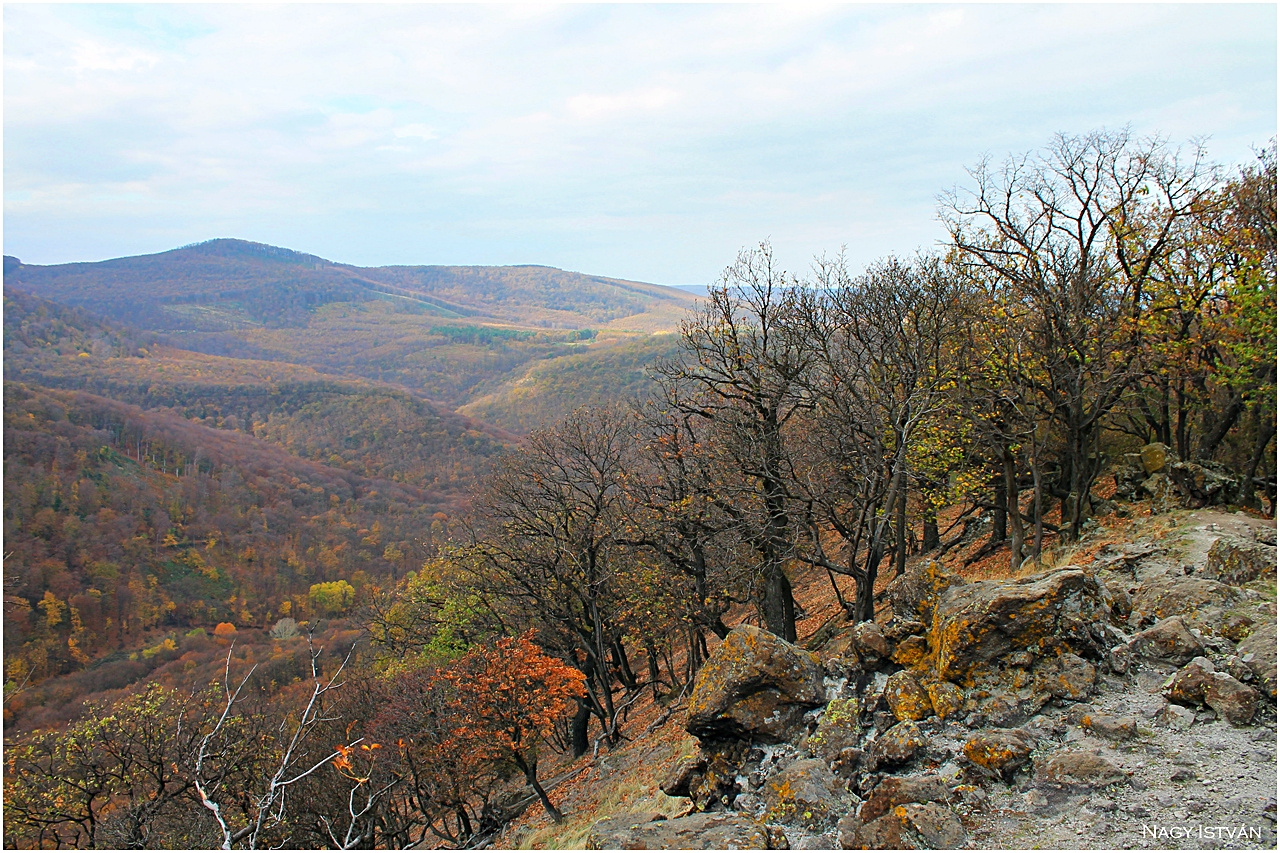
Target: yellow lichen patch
(907,699)
(945,698)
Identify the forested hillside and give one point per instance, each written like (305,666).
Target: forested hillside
(372,429)
(1097,341)
(597,375)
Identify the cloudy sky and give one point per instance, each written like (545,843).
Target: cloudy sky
(641,141)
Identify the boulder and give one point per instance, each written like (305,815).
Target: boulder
(1187,685)
(1078,770)
(945,698)
(1155,457)
(1169,639)
(1110,727)
(1120,658)
(907,699)
(713,831)
(1057,611)
(1069,677)
(1232,701)
(869,641)
(1258,652)
(755,686)
(1237,562)
(896,746)
(1001,752)
(1176,717)
(912,826)
(914,594)
(1163,596)
(806,793)
(897,790)
(838,729)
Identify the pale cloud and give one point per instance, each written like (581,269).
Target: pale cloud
(646,141)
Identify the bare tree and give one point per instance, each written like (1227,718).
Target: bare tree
(1068,240)
(741,368)
(880,374)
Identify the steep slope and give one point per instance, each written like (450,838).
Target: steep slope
(120,521)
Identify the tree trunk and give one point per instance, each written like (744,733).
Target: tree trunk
(900,535)
(931,539)
(531,776)
(999,526)
(1015,512)
(579,729)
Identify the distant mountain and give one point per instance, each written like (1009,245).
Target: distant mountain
(228,284)
(695,289)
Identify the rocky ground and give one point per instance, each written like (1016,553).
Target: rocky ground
(1123,699)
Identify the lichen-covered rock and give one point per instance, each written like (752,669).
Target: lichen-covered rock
(678,779)
(1001,752)
(977,623)
(806,793)
(754,686)
(713,831)
(1164,495)
(897,790)
(1187,685)
(1155,457)
(945,698)
(1258,652)
(914,594)
(907,699)
(1068,677)
(869,641)
(838,730)
(896,746)
(1169,639)
(1201,486)
(912,826)
(716,785)
(1232,701)
(1079,770)
(1110,727)
(614,833)
(912,652)
(1237,562)
(1163,596)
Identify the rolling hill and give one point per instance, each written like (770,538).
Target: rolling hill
(229,284)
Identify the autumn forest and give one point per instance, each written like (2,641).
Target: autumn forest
(303,554)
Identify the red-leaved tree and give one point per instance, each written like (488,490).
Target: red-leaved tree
(507,700)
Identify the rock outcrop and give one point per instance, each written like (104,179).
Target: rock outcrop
(755,686)
(651,831)
(975,624)
(906,729)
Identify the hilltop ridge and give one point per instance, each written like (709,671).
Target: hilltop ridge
(264,284)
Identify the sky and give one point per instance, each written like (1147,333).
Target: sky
(647,142)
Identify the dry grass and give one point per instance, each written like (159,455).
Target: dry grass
(624,780)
